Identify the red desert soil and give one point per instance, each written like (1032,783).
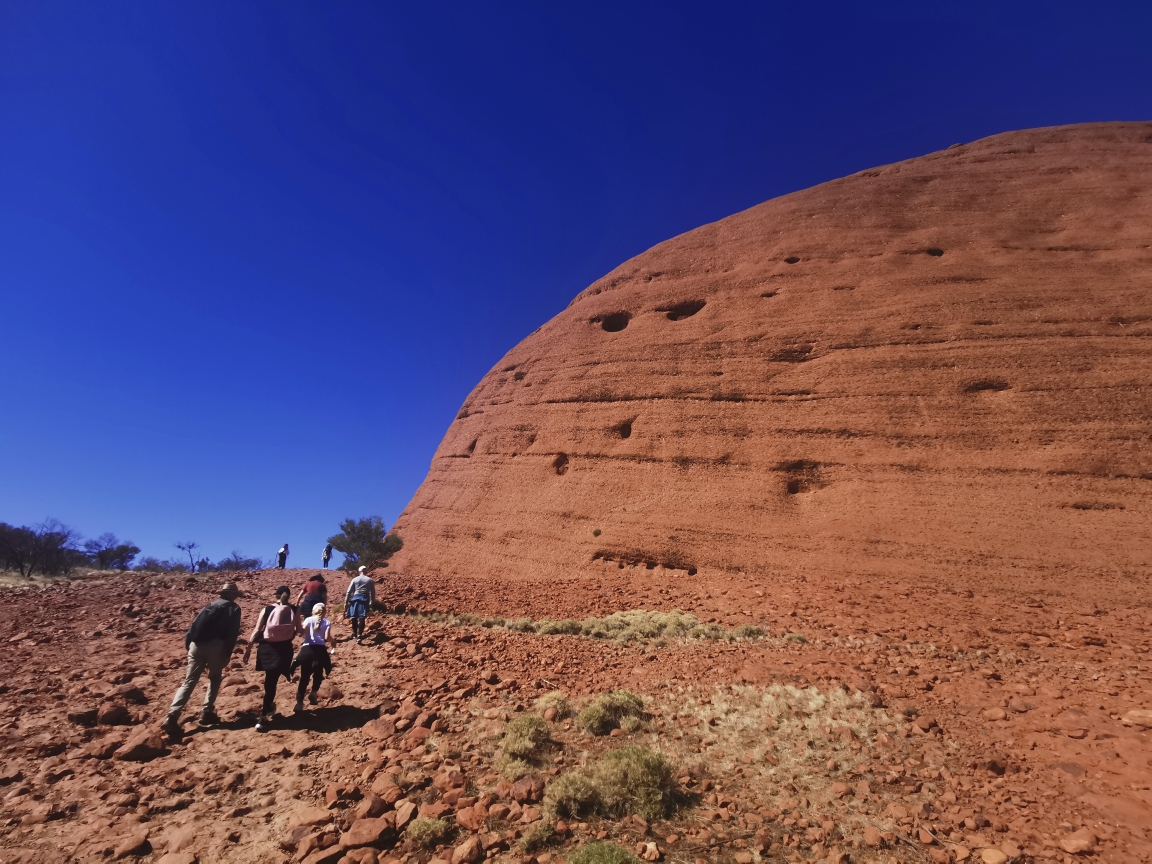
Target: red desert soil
(928,492)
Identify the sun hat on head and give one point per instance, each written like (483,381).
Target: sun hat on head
(363,568)
(230,588)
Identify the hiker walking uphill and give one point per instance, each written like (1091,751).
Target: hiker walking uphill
(327,556)
(273,636)
(314,591)
(282,557)
(209,641)
(314,658)
(358,599)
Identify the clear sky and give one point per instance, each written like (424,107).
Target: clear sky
(253,256)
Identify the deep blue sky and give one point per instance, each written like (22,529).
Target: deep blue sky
(253,256)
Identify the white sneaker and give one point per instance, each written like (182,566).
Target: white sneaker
(263,724)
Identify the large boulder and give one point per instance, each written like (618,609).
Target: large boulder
(949,355)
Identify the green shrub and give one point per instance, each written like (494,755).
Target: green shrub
(492,622)
(633,780)
(522,625)
(602,853)
(555,699)
(605,714)
(428,832)
(570,795)
(748,631)
(524,737)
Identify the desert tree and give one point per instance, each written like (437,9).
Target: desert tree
(365,542)
(50,548)
(108,553)
(188,547)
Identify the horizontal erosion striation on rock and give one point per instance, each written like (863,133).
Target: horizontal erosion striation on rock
(925,364)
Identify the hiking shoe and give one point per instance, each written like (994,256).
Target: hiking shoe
(209,718)
(299,706)
(313,698)
(263,724)
(171,727)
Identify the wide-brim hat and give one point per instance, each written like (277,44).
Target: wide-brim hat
(230,588)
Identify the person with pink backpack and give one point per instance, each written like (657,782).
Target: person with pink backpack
(277,627)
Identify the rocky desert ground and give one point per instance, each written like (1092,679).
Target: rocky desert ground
(820,533)
(870,720)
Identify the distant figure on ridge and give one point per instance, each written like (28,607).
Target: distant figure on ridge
(314,658)
(282,557)
(327,555)
(315,591)
(358,599)
(277,627)
(209,641)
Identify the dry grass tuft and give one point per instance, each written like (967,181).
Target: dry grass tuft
(571,795)
(556,699)
(634,625)
(428,833)
(609,710)
(524,740)
(633,780)
(602,853)
(536,836)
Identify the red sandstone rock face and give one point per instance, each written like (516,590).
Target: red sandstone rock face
(940,365)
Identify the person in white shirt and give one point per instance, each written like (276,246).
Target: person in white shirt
(315,657)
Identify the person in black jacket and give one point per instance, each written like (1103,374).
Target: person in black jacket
(209,641)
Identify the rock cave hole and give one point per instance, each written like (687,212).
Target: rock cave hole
(560,463)
(843,287)
(987,384)
(768,294)
(471,448)
(791,259)
(793,487)
(686,309)
(624,429)
(934,252)
(691,571)
(615,322)
(520,375)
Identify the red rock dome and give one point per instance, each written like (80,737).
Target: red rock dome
(938,365)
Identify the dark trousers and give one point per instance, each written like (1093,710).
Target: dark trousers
(271,679)
(313,670)
(358,626)
(325,563)
(281,561)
